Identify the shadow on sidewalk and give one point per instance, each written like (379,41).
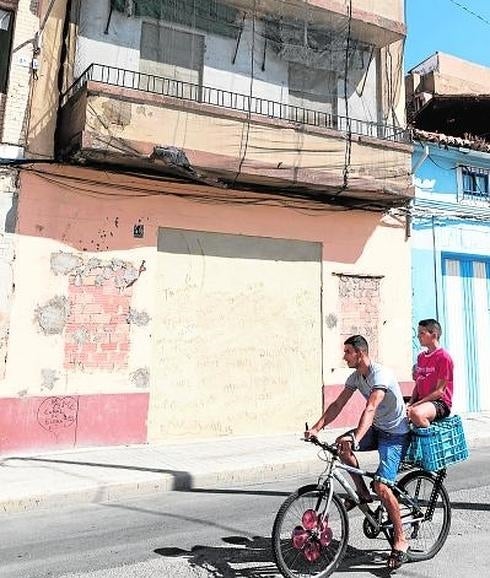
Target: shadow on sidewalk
(252,558)
(182,479)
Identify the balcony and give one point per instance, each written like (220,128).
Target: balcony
(120,116)
(379,22)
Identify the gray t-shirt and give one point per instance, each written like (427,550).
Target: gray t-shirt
(391,414)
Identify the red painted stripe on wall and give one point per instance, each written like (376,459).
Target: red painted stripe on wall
(62,422)
(349,417)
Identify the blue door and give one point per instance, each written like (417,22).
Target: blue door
(466,281)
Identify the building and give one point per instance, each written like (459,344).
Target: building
(19,23)
(450,103)
(206,215)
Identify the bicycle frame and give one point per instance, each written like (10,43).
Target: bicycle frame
(312,527)
(333,472)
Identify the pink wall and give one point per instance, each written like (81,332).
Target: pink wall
(349,417)
(97,211)
(72,421)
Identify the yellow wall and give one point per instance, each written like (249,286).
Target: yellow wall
(237,337)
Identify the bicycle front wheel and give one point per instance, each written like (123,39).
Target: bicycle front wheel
(306,539)
(425,537)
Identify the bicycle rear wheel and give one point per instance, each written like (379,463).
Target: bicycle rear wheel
(306,540)
(428,536)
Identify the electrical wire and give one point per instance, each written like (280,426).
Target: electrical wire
(244,142)
(288,197)
(472,12)
(348,143)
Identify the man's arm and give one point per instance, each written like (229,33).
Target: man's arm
(413,397)
(331,412)
(433,395)
(367,416)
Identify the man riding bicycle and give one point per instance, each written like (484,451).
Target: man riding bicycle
(383,426)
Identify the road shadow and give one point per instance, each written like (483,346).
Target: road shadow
(225,561)
(470,506)
(239,491)
(365,562)
(244,557)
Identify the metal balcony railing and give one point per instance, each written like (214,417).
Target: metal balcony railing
(179,89)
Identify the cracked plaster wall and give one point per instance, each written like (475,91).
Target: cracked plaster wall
(98,318)
(77,315)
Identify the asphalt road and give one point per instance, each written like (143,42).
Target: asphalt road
(222,533)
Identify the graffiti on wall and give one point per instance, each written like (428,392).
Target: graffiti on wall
(58,413)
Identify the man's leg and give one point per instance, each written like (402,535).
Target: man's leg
(391,449)
(348,457)
(422,415)
(393,508)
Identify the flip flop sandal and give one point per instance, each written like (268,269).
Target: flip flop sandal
(396,559)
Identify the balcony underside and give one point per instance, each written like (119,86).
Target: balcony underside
(121,126)
(381,23)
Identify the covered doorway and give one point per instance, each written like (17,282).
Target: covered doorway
(237,344)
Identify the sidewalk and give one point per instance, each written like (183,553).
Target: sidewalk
(29,482)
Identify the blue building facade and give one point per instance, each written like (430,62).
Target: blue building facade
(451,257)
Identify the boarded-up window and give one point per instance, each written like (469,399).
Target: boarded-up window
(359,309)
(175,55)
(312,88)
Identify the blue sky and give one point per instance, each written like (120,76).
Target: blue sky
(445,26)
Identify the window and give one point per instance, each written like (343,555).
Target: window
(6,26)
(475,183)
(172,54)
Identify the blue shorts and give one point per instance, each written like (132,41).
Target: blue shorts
(391,449)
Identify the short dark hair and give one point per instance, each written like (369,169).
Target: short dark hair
(358,342)
(432,326)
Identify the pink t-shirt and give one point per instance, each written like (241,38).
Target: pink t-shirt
(432,366)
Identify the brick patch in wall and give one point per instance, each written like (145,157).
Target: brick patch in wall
(97,331)
(98,320)
(359,308)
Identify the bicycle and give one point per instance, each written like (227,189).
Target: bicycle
(311,528)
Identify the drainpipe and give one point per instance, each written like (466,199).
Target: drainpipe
(420,162)
(434,248)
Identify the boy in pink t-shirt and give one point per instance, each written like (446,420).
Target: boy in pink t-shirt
(433,393)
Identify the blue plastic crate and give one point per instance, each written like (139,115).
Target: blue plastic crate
(439,445)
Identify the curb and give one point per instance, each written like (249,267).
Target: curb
(155,484)
(80,484)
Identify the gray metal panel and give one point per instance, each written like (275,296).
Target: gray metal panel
(181,241)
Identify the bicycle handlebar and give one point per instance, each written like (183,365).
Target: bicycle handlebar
(331,448)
